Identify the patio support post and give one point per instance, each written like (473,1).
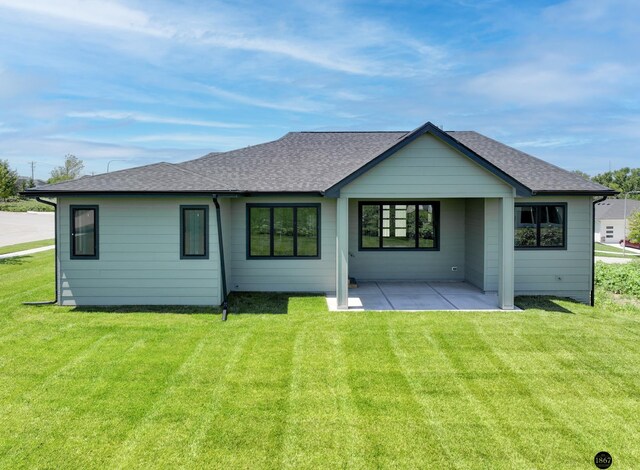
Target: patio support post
(506,254)
(342,253)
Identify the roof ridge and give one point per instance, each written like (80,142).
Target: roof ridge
(350,132)
(106,173)
(178,167)
(549,164)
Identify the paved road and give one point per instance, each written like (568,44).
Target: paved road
(20,227)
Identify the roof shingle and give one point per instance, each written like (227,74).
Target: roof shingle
(312,162)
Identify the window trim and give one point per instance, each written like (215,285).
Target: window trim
(564,205)
(436,223)
(271,206)
(96,237)
(206,231)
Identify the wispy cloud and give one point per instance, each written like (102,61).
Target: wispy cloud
(214,142)
(141,117)
(299,105)
(333,53)
(551,142)
(98,13)
(546,82)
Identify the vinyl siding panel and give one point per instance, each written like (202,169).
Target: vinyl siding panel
(559,272)
(139,248)
(491,244)
(418,265)
(426,168)
(285,275)
(474,242)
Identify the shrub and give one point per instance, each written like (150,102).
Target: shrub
(22,205)
(619,278)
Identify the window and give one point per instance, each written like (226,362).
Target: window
(194,232)
(283,230)
(540,225)
(399,225)
(84,232)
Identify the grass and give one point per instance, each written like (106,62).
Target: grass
(547,387)
(610,251)
(24,205)
(25,246)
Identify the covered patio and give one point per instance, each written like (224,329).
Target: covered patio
(417,296)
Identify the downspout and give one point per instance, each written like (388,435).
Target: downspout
(223,272)
(593,250)
(55,252)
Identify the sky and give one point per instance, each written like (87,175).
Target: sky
(127,83)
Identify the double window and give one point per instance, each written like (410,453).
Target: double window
(84,232)
(540,226)
(194,232)
(283,230)
(399,225)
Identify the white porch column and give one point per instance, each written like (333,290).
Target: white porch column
(506,253)
(342,253)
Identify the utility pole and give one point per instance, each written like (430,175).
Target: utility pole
(624,231)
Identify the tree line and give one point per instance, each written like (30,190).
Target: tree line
(624,180)
(11,184)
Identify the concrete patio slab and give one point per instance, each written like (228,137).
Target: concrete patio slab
(366,288)
(417,296)
(408,287)
(454,287)
(362,302)
(420,302)
(474,301)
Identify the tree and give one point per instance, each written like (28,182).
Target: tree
(623,180)
(8,180)
(634,228)
(69,171)
(582,174)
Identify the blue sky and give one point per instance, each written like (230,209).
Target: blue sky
(135,82)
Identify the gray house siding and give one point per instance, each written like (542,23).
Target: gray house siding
(564,273)
(474,242)
(139,255)
(426,168)
(286,275)
(419,265)
(491,244)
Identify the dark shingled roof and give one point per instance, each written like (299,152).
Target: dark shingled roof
(314,162)
(613,209)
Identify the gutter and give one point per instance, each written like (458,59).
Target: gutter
(55,253)
(593,250)
(223,272)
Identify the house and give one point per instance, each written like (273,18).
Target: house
(609,219)
(307,211)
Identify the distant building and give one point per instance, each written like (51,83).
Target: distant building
(609,227)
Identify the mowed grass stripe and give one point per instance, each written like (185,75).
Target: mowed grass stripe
(541,395)
(399,424)
(323,428)
(491,434)
(571,376)
(87,388)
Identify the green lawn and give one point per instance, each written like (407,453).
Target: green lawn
(613,251)
(25,246)
(304,388)
(24,205)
